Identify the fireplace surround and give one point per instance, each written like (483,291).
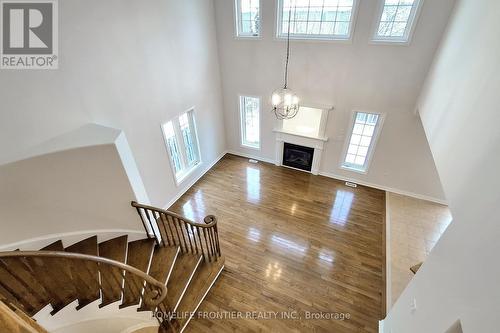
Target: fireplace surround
(298,157)
(307,147)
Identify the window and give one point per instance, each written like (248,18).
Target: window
(247,18)
(250,121)
(182,144)
(364,132)
(172,146)
(320,19)
(187,138)
(396,20)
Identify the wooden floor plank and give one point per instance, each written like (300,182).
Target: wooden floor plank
(292,242)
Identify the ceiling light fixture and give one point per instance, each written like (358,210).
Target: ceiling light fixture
(285,102)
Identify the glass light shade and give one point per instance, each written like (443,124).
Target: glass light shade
(285,103)
(276,99)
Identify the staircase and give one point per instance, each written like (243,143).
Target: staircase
(169,273)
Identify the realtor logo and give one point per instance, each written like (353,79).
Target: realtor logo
(29,34)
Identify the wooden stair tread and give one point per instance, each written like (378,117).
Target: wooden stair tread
(85,273)
(55,275)
(8,298)
(18,293)
(30,321)
(416,267)
(138,256)
(21,272)
(20,269)
(29,284)
(203,280)
(17,322)
(161,267)
(111,277)
(184,268)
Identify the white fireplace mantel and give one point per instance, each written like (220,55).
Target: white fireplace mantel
(313,142)
(313,137)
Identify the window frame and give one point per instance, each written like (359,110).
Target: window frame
(311,37)
(242,122)
(373,143)
(186,169)
(237,20)
(407,37)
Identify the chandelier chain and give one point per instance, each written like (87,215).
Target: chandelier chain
(285,102)
(288,45)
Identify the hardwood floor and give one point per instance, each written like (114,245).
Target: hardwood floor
(294,243)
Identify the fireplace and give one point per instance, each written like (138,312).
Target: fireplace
(296,156)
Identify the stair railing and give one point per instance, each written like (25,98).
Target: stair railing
(171,229)
(159,290)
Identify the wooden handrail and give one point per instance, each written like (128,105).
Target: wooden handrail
(212,219)
(153,301)
(171,229)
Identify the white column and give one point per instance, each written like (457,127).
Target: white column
(279,152)
(316,160)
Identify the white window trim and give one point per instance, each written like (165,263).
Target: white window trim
(306,37)
(179,179)
(373,144)
(406,39)
(242,123)
(237,19)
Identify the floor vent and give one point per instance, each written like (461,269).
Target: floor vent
(351,184)
(253,161)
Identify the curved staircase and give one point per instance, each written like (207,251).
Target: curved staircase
(181,255)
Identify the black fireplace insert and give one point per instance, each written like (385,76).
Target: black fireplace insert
(296,156)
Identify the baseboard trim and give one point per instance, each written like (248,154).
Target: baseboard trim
(321,173)
(194,180)
(258,158)
(347,179)
(385,188)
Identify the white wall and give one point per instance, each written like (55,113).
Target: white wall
(126,64)
(348,76)
(460,113)
(75,190)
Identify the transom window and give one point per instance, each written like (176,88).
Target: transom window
(182,144)
(247,18)
(361,141)
(320,19)
(250,121)
(396,20)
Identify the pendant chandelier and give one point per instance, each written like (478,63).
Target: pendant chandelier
(285,102)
